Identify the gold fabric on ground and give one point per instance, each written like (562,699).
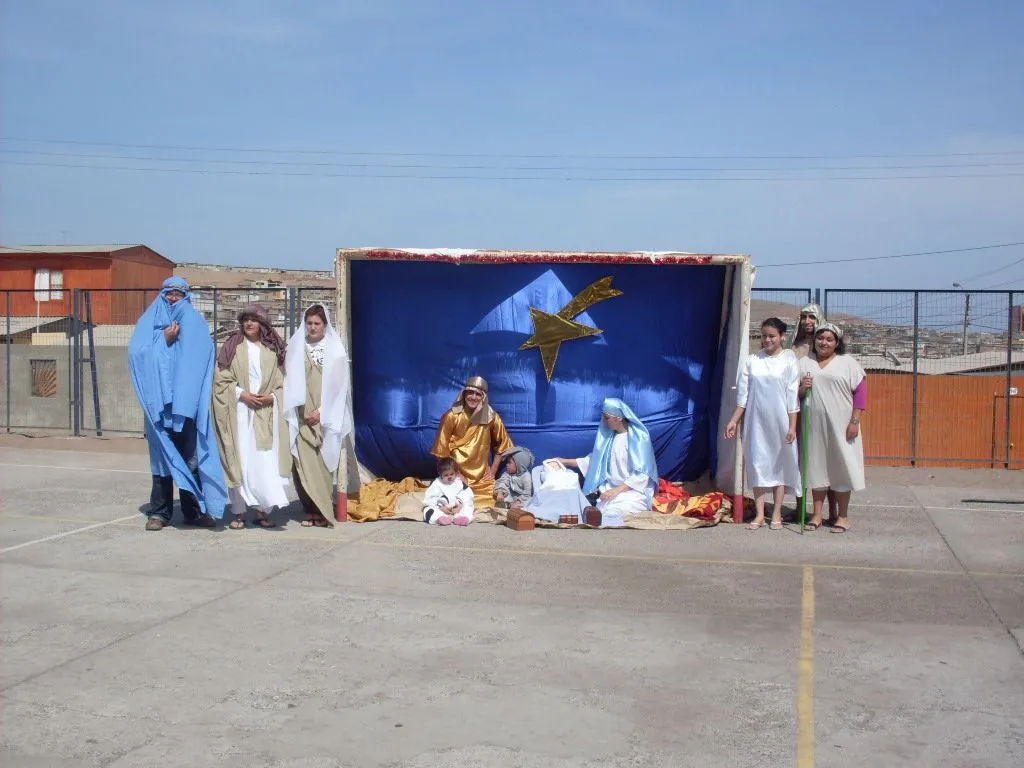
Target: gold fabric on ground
(316,480)
(225,414)
(471,445)
(377,499)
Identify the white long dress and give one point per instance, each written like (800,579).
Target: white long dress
(629,502)
(767,389)
(832,460)
(262,485)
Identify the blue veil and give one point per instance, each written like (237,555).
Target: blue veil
(175,383)
(641,450)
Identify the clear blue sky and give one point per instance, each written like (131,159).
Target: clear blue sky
(574,80)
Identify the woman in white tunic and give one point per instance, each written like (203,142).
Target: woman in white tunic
(318,409)
(248,391)
(766,401)
(835,455)
(621,468)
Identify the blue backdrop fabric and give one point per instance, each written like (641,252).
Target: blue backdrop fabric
(420,329)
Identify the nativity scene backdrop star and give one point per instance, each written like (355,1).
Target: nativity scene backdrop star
(552,340)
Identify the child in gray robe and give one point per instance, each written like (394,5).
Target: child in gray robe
(515,486)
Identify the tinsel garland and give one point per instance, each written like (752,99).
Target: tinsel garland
(535,258)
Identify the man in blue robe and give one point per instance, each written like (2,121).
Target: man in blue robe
(171,358)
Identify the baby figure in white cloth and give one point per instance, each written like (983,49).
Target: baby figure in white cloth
(448,499)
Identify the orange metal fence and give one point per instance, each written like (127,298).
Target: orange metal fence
(961,421)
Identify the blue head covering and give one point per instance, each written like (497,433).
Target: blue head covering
(641,450)
(174,383)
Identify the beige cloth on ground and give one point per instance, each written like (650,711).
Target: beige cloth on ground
(377,499)
(409,506)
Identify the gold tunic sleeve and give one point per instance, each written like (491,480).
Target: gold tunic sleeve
(500,439)
(442,444)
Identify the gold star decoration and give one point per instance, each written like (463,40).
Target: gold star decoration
(550,330)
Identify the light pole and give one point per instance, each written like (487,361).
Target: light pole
(967,315)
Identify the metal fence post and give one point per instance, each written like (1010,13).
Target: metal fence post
(215,307)
(913,384)
(1008,439)
(76,364)
(7,343)
(817,297)
(93,364)
(289,310)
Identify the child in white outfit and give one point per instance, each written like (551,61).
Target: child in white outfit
(448,499)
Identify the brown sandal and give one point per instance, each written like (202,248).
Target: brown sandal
(238,523)
(265,522)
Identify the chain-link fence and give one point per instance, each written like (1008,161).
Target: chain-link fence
(946,368)
(37,360)
(65,354)
(945,374)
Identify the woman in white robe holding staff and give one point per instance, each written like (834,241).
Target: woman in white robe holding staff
(835,456)
(318,409)
(766,401)
(621,468)
(248,391)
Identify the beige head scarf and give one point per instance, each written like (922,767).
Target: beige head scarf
(813,309)
(482,415)
(829,327)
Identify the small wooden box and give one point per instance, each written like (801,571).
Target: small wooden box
(520,520)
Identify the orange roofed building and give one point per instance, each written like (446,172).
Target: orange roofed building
(41,280)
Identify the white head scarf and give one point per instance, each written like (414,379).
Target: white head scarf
(335,394)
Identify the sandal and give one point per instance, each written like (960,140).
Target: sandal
(321,522)
(238,523)
(265,522)
(812,526)
(840,528)
(776,525)
(755,525)
(308,522)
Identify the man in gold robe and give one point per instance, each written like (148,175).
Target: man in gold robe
(473,434)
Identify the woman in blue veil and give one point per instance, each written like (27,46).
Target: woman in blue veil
(620,469)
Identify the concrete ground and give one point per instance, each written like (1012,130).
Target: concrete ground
(398,644)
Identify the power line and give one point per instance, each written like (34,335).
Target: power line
(486,177)
(464,167)
(893,256)
(536,156)
(907,303)
(992,271)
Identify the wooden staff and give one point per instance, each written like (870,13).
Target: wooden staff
(805,432)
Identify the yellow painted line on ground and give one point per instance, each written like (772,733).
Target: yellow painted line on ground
(285,534)
(805,687)
(656,558)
